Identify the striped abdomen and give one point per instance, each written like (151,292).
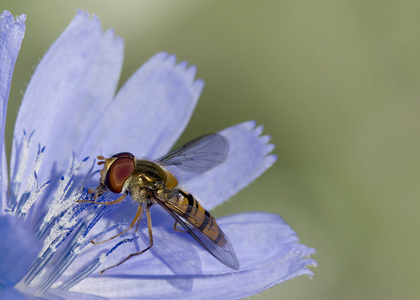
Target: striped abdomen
(200,218)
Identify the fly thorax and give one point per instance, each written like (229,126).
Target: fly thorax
(150,174)
(171,181)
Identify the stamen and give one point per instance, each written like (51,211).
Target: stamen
(59,232)
(92,266)
(60,203)
(22,158)
(76,247)
(64,263)
(89,173)
(56,238)
(62,226)
(32,197)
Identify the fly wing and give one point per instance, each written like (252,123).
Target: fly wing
(224,253)
(199,155)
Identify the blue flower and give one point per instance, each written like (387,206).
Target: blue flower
(71,111)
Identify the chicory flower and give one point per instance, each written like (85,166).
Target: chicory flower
(71,112)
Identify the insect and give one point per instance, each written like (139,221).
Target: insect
(148,183)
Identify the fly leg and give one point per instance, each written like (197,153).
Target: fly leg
(176,228)
(138,217)
(149,226)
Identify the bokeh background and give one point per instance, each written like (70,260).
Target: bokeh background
(336,85)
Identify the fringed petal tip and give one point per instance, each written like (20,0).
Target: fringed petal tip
(84,19)
(271,248)
(182,69)
(85,15)
(114,39)
(249,156)
(257,132)
(11,34)
(309,263)
(301,266)
(270,159)
(264,143)
(260,143)
(7,17)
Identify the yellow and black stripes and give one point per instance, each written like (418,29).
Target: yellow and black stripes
(200,218)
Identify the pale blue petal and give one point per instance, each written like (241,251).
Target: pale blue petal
(149,112)
(4,181)
(249,156)
(11,35)
(8,292)
(55,294)
(267,248)
(68,92)
(18,249)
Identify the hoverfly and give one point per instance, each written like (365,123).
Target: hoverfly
(148,183)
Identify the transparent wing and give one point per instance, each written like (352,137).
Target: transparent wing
(199,155)
(225,253)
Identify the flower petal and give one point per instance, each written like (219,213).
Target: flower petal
(69,89)
(267,248)
(8,292)
(248,158)
(150,111)
(18,249)
(62,294)
(11,35)
(3,181)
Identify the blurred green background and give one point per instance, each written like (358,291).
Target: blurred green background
(336,85)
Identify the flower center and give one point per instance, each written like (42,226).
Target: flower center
(63,225)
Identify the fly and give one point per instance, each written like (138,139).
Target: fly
(148,183)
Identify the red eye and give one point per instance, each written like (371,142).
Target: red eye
(119,171)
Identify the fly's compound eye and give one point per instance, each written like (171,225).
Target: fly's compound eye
(119,171)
